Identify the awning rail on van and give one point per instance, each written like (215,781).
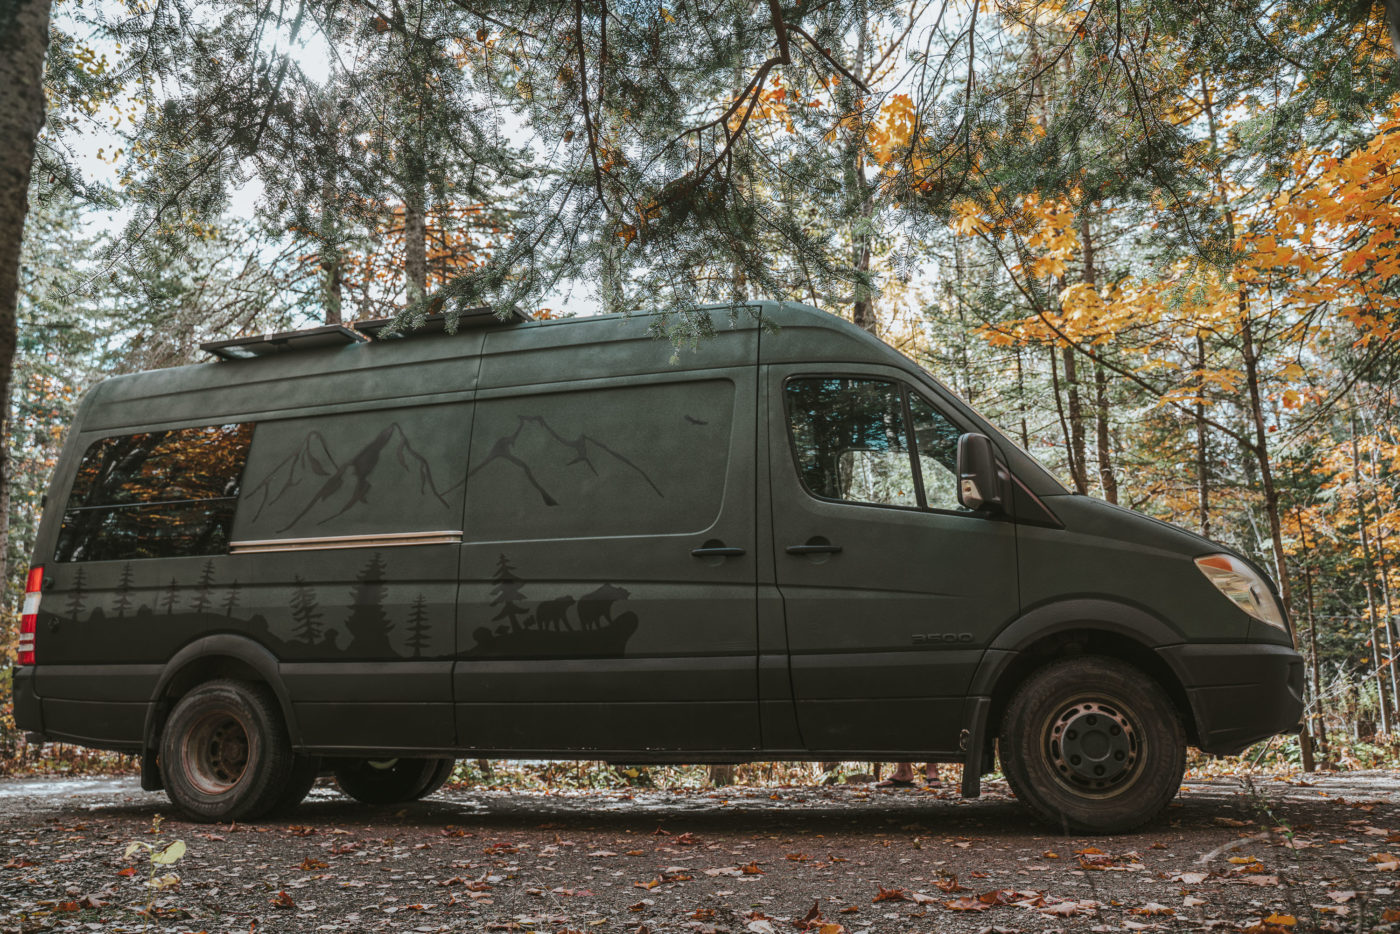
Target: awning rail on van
(388,540)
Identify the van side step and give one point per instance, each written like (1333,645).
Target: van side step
(973,743)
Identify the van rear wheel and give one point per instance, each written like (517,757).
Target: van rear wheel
(1093,744)
(392,781)
(224,752)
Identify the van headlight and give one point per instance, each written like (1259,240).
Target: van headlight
(1243,586)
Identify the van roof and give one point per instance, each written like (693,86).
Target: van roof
(450,367)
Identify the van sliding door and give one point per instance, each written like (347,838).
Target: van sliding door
(344,565)
(608,585)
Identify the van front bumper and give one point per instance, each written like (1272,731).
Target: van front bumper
(1239,693)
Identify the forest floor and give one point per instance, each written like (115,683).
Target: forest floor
(1261,854)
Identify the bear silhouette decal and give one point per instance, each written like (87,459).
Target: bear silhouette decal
(514,631)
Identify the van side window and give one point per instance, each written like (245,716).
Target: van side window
(936,440)
(850,440)
(158,494)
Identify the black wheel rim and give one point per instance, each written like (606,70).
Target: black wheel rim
(1094,746)
(216,751)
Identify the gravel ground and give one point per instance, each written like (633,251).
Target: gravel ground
(1263,855)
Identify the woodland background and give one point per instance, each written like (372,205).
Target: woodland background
(1157,242)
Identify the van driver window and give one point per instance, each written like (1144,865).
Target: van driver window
(850,441)
(936,440)
(158,494)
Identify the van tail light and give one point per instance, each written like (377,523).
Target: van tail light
(29,618)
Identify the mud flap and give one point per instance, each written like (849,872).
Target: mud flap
(974,744)
(150,771)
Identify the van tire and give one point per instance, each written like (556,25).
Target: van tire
(392,781)
(305,769)
(224,752)
(1093,744)
(437,778)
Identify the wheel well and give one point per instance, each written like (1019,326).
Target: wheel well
(1075,642)
(193,674)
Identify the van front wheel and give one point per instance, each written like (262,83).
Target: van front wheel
(392,781)
(1093,744)
(224,752)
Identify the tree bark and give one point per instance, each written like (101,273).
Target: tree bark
(1078,469)
(24,39)
(1107,479)
(1369,579)
(1102,440)
(863,308)
(415,239)
(1261,451)
(1202,455)
(1319,729)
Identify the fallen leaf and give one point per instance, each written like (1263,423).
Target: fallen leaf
(966,903)
(891,895)
(1281,920)
(1152,908)
(282,900)
(311,863)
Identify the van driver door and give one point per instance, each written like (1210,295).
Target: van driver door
(891,590)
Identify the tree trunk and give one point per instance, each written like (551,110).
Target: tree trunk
(415,242)
(1369,579)
(1102,442)
(1107,480)
(721,775)
(1261,451)
(1202,454)
(1021,399)
(863,308)
(1388,611)
(1319,729)
(1078,469)
(24,38)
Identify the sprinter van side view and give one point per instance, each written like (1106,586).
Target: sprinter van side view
(558,539)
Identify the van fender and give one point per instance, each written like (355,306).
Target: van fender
(1062,616)
(219,646)
(1111,616)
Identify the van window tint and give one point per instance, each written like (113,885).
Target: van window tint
(936,440)
(157,494)
(368,472)
(636,460)
(850,441)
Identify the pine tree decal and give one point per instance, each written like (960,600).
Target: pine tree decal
(305,613)
(77,596)
(231,598)
(369,626)
(507,593)
(171,593)
(124,592)
(418,638)
(202,601)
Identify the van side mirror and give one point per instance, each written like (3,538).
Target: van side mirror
(979,483)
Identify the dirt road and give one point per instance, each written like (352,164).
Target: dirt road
(1282,855)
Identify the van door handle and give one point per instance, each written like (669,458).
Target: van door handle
(826,549)
(716,551)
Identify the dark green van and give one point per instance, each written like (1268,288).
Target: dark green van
(561,539)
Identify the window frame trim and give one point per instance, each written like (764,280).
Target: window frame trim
(905,388)
(250,423)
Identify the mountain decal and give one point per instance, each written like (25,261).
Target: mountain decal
(326,489)
(312,458)
(583,449)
